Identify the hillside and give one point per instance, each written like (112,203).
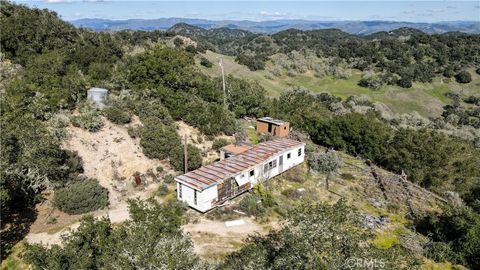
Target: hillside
(121,157)
(427,99)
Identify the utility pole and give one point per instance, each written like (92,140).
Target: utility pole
(223,84)
(185,152)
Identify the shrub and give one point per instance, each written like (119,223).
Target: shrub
(88,119)
(148,109)
(58,123)
(371,80)
(478,71)
(162,190)
(219,143)
(295,175)
(168,178)
(347,176)
(405,82)
(265,137)
(265,195)
(191,49)
(252,205)
(157,139)
(80,197)
(159,169)
(463,77)
(133,132)
(194,158)
(52,220)
(292,193)
(178,42)
(117,115)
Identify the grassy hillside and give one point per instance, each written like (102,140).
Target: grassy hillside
(425,98)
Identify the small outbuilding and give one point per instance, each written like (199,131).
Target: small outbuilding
(97,96)
(276,127)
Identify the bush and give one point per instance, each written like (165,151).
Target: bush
(347,176)
(265,137)
(191,49)
(405,82)
(265,195)
(205,62)
(133,132)
(463,77)
(194,158)
(88,119)
(117,115)
(478,71)
(457,231)
(168,179)
(252,205)
(295,175)
(80,197)
(178,42)
(157,139)
(371,80)
(146,109)
(162,190)
(219,143)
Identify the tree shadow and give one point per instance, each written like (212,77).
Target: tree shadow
(14,227)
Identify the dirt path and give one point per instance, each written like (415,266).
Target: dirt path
(112,157)
(116,215)
(213,239)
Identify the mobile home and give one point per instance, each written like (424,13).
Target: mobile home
(212,185)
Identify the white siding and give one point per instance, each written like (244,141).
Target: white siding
(288,163)
(204,198)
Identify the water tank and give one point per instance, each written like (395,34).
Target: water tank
(98,96)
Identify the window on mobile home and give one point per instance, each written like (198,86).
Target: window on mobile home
(179,190)
(300,152)
(289,155)
(195,196)
(252,173)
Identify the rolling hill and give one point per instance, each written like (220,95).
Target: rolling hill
(273,26)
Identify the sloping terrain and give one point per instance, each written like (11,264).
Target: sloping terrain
(112,157)
(426,98)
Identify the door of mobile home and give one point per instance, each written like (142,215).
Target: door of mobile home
(280,164)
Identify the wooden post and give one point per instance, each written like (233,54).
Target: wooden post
(223,85)
(185,153)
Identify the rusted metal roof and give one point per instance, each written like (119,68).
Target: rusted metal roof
(213,174)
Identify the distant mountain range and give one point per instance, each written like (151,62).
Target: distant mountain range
(352,27)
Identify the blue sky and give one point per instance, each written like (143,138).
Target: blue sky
(412,11)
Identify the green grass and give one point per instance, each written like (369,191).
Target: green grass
(385,240)
(14,259)
(425,98)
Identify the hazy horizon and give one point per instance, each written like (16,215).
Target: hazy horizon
(400,11)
